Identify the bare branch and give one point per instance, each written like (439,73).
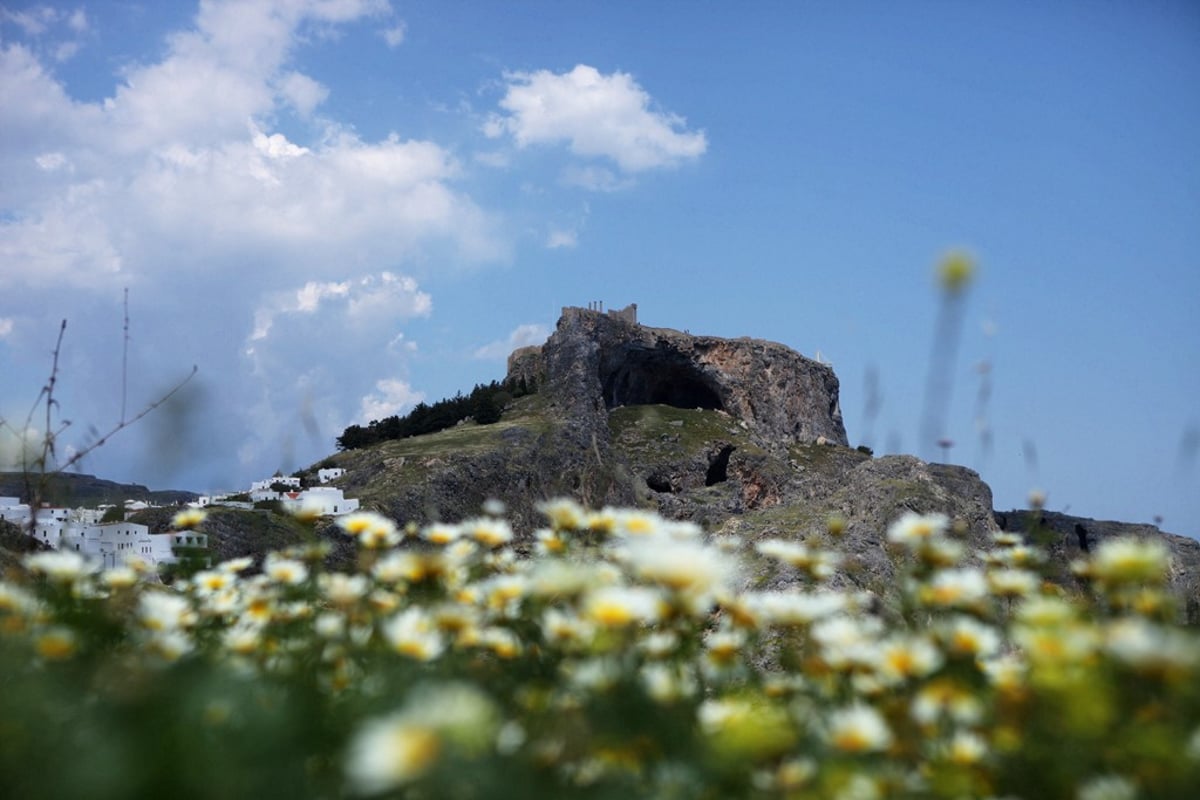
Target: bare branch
(48,389)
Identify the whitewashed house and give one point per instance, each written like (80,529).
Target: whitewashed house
(323,500)
(14,511)
(55,513)
(50,531)
(265,486)
(88,516)
(164,545)
(110,543)
(330,474)
(51,524)
(113,543)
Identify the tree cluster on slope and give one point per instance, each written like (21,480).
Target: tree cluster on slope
(484,404)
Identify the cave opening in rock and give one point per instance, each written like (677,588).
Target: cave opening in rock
(718,467)
(659,484)
(646,377)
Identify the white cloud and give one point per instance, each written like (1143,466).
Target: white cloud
(65,51)
(275,146)
(561,239)
(34,21)
(302,92)
(282,254)
(6,327)
(56,33)
(357,303)
(595,179)
(167,170)
(391,397)
(51,161)
(18,446)
(521,336)
(394,36)
(388,296)
(323,353)
(597,115)
(494,159)
(77,20)
(309,297)
(399,344)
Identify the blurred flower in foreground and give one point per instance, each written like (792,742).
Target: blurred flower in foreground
(374,531)
(285,570)
(617,606)
(391,752)
(413,634)
(160,611)
(398,749)
(858,729)
(56,644)
(60,566)
(188,518)
(745,728)
(564,513)
(1121,561)
(912,529)
(1108,787)
(956,271)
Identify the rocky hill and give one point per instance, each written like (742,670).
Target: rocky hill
(76,489)
(742,436)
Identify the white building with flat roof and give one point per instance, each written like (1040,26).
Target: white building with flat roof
(111,543)
(325,501)
(14,511)
(265,486)
(330,474)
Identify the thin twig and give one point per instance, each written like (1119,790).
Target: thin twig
(48,387)
(125,357)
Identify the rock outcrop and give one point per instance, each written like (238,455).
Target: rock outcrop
(595,362)
(1067,538)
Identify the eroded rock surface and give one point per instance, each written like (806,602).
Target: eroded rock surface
(594,362)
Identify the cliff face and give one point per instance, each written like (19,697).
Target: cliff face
(1067,538)
(595,362)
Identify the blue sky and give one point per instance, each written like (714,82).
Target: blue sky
(336,208)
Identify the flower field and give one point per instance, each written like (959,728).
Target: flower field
(617,655)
